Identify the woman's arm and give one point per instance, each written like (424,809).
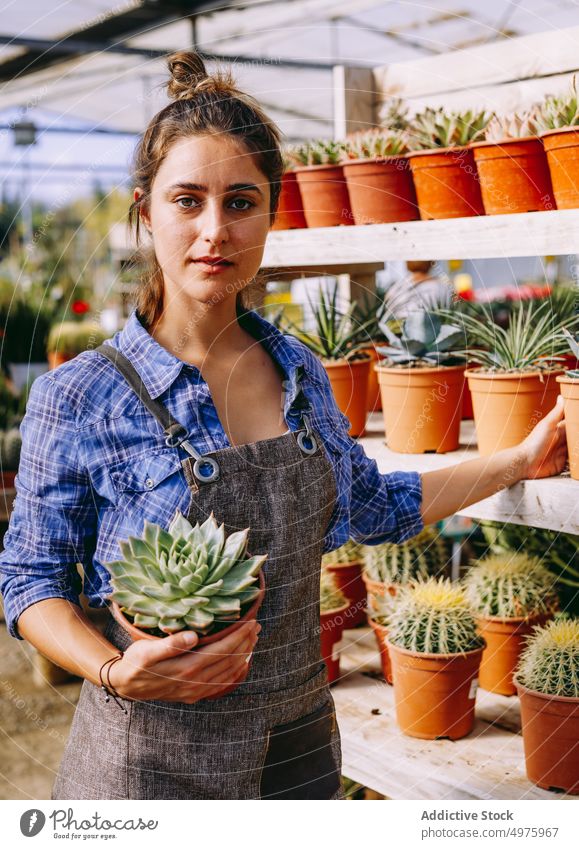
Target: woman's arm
(541,454)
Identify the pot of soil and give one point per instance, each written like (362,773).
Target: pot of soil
(324,194)
(349,379)
(514,176)
(562,148)
(290,213)
(381,190)
(446,183)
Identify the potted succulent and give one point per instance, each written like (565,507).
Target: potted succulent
(512,165)
(547,680)
(559,122)
(323,189)
(371,309)
(70,338)
(345,564)
(510,594)
(435,651)
(569,384)
(290,211)
(338,342)
(379,178)
(514,384)
(186,577)
(443,165)
(379,621)
(333,607)
(422,384)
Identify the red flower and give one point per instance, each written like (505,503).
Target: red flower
(80,307)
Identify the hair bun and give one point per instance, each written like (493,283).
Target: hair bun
(189,77)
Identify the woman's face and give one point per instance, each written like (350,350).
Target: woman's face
(208,200)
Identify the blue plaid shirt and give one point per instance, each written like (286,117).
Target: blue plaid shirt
(94,464)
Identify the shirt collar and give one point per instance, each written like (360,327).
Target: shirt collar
(158,368)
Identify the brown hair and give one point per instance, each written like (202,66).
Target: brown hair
(202,103)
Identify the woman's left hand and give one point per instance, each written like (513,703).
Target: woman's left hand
(546,445)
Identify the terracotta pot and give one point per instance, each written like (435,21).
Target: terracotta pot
(421,407)
(381,632)
(446,183)
(348,577)
(331,630)
(349,379)
(467,408)
(290,213)
(550,734)
(381,190)
(56,358)
(508,406)
(374,396)
(562,147)
(570,392)
(505,639)
(514,176)
(434,694)
(324,193)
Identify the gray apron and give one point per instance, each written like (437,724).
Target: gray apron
(275,736)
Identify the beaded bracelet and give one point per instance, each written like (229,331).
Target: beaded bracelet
(108,689)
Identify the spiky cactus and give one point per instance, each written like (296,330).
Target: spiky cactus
(189,576)
(381,607)
(519,125)
(10,445)
(350,552)
(510,585)
(419,557)
(318,152)
(558,111)
(550,661)
(433,617)
(434,128)
(331,596)
(374,144)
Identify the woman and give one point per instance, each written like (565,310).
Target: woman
(188,408)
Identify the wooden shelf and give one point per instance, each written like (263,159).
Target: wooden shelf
(528,234)
(488,764)
(548,503)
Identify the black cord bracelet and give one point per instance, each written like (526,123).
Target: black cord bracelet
(108,689)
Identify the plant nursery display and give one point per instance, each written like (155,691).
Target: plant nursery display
(435,650)
(547,681)
(559,122)
(70,338)
(333,607)
(345,564)
(511,594)
(320,177)
(443,164)
(370,311)
(569,385)
(187,577)
(290,211)
(378,177)
(422,384)
(512,165)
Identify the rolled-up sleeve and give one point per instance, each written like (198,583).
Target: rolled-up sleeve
(53,525)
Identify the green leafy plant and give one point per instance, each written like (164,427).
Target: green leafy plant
(433,617)
(518,125)
(426,340)
(331,596)
(573,342)
(558,111)
(374,144)
(394,114)
(188,577)
(437,128)
(348,553)
(550,662)
(73,337)
(510,585)
(318,152)
(420,557)
(24,331)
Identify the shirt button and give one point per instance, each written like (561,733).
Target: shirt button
(149,483)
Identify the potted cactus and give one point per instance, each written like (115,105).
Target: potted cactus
(345,564)
(547,680)
(322,185)
(379,178)
(442,165)
(70,338)
(559,123)
(290,211)
(186,577)
(569,384)
(512,165)
(422,384)
(435,651)
(333,607)
(379,621)
(510,594)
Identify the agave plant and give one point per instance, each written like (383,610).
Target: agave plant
(394,115)
(550,662)
(510,585)
(434,128)
(318,152)
(350,552)
(375,144)
(420,557)
(434,617)
(426,340)
(573,342)
(559,111)
(331,596)
(520,125)
(186,577)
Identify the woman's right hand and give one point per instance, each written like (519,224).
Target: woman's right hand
(168,670)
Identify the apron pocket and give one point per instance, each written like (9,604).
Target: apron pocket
(299,761)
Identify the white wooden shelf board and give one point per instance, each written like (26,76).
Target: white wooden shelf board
(547,503)
(488,764)
(526,234)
